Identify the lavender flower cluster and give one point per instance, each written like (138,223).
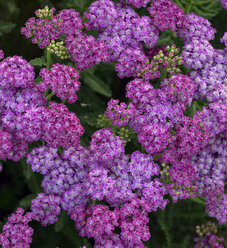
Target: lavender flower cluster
(107,192)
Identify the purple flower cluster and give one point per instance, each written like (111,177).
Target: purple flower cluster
(123,32)
(105,146)
(45,208)
(16,72)
(119,114)
(16,232)
(211,78)
(41,31)
(179,88)
(84,50)
(210,165)
(207,236)
(196,27)
(167,15)
(197,53)
(62,80)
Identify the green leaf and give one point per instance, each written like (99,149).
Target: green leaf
(96,84)
(6,27)
(59,225)
(90,118)
(26,201)
(38,61)
(27,171)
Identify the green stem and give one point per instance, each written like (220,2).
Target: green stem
(49,96)
(48,59)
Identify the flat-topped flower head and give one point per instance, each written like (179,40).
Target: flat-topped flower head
(16,72)
(62,80)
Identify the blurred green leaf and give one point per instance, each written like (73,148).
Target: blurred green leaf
(6,27)
(26,201)
(96,84)
(59,225)
(27,171)
(38,61)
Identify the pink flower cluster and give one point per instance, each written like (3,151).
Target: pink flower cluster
(62,80)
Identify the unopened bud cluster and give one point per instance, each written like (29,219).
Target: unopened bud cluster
(59,49)
(125,134)
(207,236)
(166,62)
(103,121)
(45,13)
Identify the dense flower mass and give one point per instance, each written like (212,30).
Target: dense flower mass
(62,80)
(45,209)
(16,72)
(163,141)
(116,26)
(196,27)
(16,232)
(166,15)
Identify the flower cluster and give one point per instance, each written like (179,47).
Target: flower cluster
(167,15)
(45,208)
(5,145)
(196,27)
(65,27)
(16,232)
(16,72)
(116,26)
(62,80)
(119,114)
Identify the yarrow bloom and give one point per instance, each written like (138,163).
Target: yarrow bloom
(105,146)
(179,88)
(62,80)
(45,208)
(196,27)
(119,114)
(16,232)
(197,53)
(123,39)
(60,127)
(166,15)
(86,51)
(16,72)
